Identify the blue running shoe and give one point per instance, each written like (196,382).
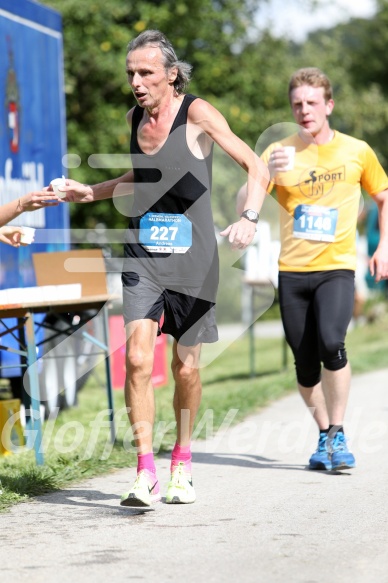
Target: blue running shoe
(320,460)
(341,457)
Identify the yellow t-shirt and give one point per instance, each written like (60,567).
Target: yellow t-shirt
(319,201)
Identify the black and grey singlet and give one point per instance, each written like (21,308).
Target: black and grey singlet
(171,231)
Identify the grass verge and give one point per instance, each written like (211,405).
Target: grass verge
(77,442)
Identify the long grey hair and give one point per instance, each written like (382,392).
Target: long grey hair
(155,38)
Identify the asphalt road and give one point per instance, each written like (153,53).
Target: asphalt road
(260,515)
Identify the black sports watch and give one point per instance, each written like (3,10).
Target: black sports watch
(251,215)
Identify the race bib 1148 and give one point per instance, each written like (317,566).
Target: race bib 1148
(316,223)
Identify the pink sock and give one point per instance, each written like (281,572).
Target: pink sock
(181,454)
(146,462)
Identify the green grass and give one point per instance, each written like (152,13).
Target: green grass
(77,444)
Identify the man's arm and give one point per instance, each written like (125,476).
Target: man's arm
(84,193)
(210,120)
(241,198)
(378,264)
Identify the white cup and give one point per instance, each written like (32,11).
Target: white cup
(56,183)
(290,151)
(27,236)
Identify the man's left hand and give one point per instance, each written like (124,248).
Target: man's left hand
(240,234)
(378,264)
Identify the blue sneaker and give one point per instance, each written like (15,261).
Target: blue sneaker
(320,460)
(341,457)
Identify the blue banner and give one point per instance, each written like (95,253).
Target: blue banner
(32,128)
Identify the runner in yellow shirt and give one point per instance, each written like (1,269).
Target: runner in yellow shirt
(319,202)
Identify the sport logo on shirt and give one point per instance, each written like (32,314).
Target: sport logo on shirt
(320,181)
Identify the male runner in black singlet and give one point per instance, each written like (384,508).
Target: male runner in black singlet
(171,260)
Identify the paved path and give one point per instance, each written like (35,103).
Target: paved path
(260,515)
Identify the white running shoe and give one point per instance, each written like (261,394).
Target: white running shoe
(144,492)
(180,489)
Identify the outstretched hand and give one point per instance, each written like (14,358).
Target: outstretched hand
(33,201)
(74,191)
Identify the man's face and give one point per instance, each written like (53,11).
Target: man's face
(147,76)
(310,109)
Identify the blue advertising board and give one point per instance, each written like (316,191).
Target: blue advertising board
(32,129)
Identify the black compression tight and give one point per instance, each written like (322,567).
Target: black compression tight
(316,308)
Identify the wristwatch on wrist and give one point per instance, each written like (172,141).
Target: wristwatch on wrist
(251,215)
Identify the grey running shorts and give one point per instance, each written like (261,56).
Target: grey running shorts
(189,318)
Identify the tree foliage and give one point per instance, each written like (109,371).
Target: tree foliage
(241,71)
(96,34)
(365,42)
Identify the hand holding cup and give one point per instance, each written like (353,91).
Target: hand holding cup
(281,159)
(56,183)
(27,236)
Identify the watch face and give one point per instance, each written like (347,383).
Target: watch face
(251,215)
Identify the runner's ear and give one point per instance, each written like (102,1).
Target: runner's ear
(172,74)
(329,106)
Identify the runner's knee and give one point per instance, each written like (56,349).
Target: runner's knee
(183,372)
(139,361)
(335,360)
(308,376)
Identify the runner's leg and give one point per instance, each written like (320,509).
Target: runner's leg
(334,308)
(139,398)
(187,398)
(188,389)
(139,392)
(336,386)
(316,402)
(299,323)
